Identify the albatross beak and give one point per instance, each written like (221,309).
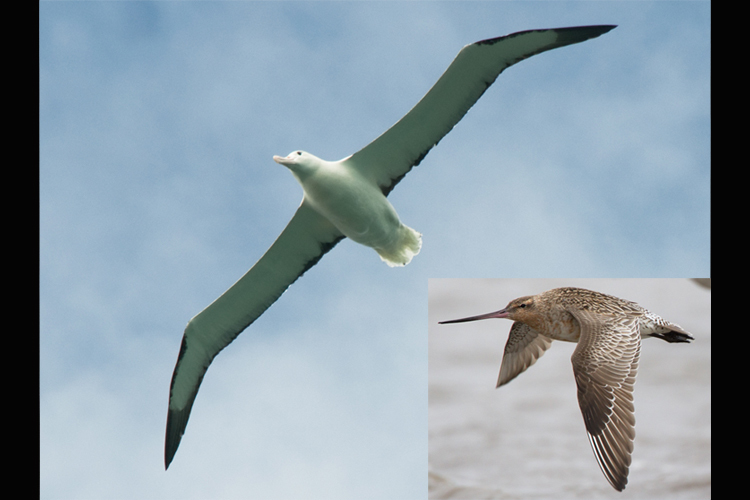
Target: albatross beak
(502,313)
(279,159)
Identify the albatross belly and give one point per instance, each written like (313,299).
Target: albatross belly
(361,212)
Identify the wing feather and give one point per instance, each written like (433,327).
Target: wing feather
(525,345)
(605,364)
(389,157)
(306,238)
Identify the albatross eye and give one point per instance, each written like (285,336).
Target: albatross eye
(299,153)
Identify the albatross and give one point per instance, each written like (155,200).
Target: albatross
(347,198)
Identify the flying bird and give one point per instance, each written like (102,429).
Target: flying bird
(347,198)
(608,331)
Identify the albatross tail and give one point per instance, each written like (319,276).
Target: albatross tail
(407,245)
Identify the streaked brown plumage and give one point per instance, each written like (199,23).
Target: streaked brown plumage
(608,331)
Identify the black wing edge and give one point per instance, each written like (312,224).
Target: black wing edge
(388,187)
(177,419)
(566,36)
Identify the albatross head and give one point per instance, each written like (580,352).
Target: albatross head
(301,163)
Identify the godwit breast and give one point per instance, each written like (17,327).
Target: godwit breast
(608,331)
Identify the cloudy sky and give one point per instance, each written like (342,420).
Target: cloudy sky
(158,122)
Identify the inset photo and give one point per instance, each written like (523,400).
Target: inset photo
(533,393)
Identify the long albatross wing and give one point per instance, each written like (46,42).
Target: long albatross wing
(389,157)
(306,238)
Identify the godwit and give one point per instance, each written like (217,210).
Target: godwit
(608,331)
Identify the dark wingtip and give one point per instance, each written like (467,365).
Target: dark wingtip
(170,443)
(577,34)
(593,29)
(176,424)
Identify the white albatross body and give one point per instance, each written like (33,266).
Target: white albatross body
(347,198)
(354,205)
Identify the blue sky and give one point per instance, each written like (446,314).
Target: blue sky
(158,122)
